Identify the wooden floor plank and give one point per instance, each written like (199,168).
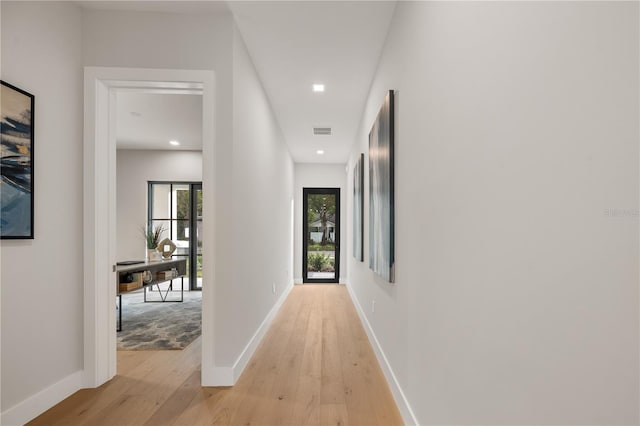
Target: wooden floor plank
(258,382)
(200,412)
(177,402)
(278,409)
(314,366)
(334,415)
(356,353)
(306,410)
(147,394)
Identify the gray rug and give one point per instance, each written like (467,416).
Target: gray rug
(158,326)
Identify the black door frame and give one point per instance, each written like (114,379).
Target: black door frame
(193,223)
(305,231)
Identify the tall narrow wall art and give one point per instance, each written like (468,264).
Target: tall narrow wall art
(381,192)
(358,209)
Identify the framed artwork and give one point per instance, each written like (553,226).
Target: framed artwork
(381,193)
(16,159)
(358,209)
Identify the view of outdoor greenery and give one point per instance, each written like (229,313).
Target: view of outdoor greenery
(320,239)
(182,213)
(316,202)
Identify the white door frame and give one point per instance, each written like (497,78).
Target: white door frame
(100,85)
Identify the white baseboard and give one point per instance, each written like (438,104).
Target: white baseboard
(37,404)
(228,376)
(217,376)
(248,351)
(297,281)
(403,405)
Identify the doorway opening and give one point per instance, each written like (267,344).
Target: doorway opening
(321,235)
(100,276)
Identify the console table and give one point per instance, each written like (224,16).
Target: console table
(154,268)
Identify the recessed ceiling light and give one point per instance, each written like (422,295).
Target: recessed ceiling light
(319,152)
(318,87)
(174,143)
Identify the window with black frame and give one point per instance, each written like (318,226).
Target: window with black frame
(177,207)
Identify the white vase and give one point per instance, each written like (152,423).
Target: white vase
(152,255)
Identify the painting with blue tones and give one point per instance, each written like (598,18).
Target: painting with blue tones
(16,162)
(381,192)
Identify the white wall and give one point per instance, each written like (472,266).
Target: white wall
(42,278)
(191,42)
(180,41)
(157,40)
(135,169)
(320,176)
(44,47)
(516,298)
(251,161)
(262,184)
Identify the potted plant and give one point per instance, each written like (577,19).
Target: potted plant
(152,236)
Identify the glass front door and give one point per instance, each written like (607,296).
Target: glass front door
(321,245)
(177,206)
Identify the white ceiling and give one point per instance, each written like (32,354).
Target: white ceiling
(293,45)
(150,120)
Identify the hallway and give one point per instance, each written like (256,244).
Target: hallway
(315,366)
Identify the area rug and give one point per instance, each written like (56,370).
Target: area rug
(159,326)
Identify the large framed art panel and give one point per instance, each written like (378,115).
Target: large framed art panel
(358,209)
(16,158)
(381,192)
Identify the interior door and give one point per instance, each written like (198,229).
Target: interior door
(321,235)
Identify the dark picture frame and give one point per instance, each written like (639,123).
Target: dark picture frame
(17,108)
(381,192)
(358,209)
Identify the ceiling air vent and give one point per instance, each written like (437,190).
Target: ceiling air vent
(326,131)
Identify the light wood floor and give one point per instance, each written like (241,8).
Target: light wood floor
(314,367)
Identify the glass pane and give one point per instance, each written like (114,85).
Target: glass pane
(321,249)
(161,201)
(199,203)
(180,225)
(180,236)
(180,230)
(181,205)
